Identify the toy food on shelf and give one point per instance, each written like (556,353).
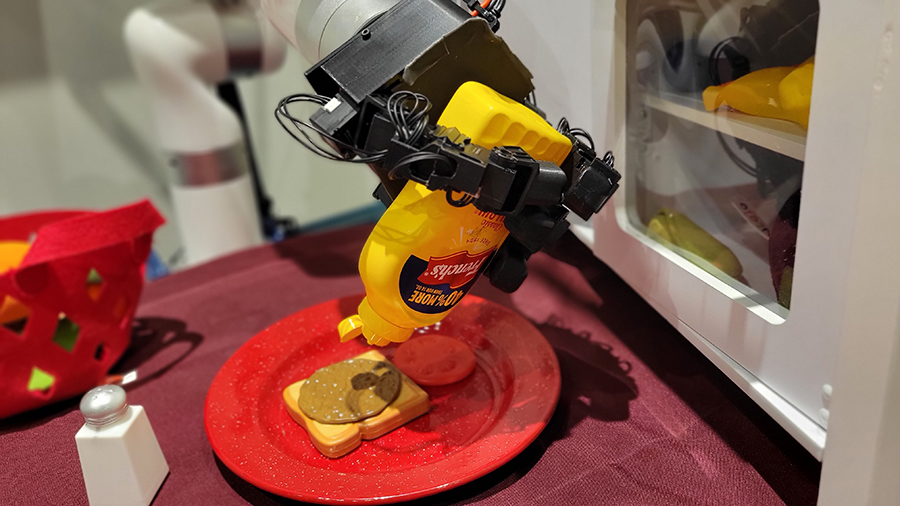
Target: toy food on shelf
(783,248)
(672,227)
(795,91)
(777,92)
(435,360)
(11,255)
(338,439)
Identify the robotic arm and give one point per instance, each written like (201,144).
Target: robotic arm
(477,191)
(401,65)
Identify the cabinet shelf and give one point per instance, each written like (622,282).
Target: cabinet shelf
(775,135)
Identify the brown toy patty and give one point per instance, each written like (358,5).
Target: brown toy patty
(349,391)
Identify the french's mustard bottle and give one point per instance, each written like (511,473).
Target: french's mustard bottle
(424,254)
(422,258)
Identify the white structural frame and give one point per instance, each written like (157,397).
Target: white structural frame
(787,365)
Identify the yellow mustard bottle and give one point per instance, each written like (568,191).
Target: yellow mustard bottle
(424,254)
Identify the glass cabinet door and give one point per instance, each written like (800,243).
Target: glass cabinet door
(718,99)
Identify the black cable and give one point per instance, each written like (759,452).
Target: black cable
(417,158)
(491,12)
(282,111)
(462,202)
(434,157)
(609,159)
(741,164)
(564,128)
(713,62)
(408,112)
(496,7)
(578,132)
(273,226)
(353,154)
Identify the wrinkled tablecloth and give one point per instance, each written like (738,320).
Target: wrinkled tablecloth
(643,418)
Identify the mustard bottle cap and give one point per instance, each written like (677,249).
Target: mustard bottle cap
(373,327)
(350,328)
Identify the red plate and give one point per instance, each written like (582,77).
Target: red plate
(474,426)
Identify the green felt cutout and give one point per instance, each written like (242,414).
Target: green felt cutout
(66,333)
(40,380)
(94,285)
(94,278)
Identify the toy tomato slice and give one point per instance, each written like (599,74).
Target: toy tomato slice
(435,360)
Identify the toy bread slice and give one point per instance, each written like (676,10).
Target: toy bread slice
(337,440)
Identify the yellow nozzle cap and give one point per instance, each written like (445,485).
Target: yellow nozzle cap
(379,331)
(350,328)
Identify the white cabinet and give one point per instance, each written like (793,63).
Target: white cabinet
(709,225)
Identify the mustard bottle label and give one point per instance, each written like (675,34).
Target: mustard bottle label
(435,285)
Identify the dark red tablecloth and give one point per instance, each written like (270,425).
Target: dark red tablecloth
(643,419)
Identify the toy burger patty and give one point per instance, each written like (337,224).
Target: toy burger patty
(341,399)
(349,391)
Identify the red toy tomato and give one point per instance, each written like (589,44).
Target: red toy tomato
(435,360)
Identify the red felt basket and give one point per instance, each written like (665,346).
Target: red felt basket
(80,282)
